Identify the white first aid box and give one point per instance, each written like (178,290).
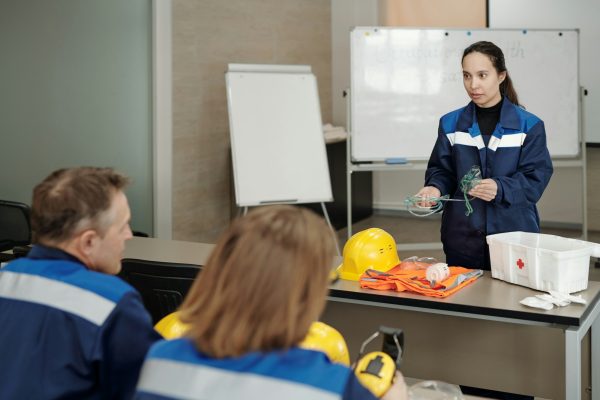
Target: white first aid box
(540,261)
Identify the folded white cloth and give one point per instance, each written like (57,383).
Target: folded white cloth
(537,303)
(569,297)
(547,301)
(553,300)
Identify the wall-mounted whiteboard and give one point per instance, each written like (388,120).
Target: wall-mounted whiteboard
(404,80)
(277,144)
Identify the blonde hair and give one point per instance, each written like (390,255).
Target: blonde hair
(263,285)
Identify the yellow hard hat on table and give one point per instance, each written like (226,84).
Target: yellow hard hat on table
(372,248)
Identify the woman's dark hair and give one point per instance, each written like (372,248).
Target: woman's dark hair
(496,56)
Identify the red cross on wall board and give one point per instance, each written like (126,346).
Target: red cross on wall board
(520,263)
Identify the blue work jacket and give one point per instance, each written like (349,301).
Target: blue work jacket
(68,332)
(174,369)
(516,157)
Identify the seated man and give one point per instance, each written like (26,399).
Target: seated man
(68,327)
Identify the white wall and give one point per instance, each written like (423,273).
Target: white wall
(346,14)
(562,14)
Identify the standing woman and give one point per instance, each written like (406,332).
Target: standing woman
(507,143)
(263,285)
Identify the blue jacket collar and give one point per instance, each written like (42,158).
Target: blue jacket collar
(41,252)
(509,118)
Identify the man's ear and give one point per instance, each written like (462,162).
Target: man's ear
(87,241)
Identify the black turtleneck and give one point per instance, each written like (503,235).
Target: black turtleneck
(487,119)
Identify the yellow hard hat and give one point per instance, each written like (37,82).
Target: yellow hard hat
(171,327)
(372,248)
(376,372)
(329,340)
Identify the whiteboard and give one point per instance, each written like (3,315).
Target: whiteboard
(277,143)
(404,80)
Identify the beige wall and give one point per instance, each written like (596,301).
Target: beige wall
(593,189)
(207,35)
(433,13)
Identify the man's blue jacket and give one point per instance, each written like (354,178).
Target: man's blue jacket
(67,332)
(516,157)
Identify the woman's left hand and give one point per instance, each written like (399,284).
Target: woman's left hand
(486,190)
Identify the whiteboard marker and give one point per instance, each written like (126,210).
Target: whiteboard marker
(396,160)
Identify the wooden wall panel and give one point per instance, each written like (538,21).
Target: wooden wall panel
(207,35)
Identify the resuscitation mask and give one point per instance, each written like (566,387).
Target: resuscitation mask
(434,271)
(468,182)
(470,179)
(416,263)
(424,206)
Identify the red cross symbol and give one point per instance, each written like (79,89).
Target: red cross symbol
(520,263)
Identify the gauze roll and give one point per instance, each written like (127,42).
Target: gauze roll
(437,272)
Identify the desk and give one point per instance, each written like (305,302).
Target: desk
(174,251)
(480,336)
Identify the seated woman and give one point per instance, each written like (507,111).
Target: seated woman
(263,285)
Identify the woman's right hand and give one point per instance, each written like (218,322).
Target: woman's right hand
(426,193)
(398,390)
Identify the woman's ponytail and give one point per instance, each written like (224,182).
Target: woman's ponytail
(507,89)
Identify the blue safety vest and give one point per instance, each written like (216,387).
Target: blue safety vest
(176,370)
(516,157)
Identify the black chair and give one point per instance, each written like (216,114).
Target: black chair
(162,285)
(15,228)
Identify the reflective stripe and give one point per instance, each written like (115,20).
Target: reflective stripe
(511,140)
(191,381)
(507,140)
(494,142)
(451,138)
(56,294)
(465,139)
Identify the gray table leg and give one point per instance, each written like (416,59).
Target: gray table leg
(595,359)
(572,364)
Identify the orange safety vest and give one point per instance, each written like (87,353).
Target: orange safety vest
(415,281)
